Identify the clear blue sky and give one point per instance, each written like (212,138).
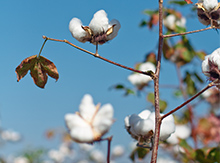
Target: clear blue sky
(30,110)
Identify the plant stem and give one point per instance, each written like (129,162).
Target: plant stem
(189,100)
(185,33)
(149,73)
(156,87)
(42,46)
(109,149)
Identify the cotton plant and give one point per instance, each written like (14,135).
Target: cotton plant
(141,80)
(99,31)
(208,12)
(211,67)
(142,127)
(91,122)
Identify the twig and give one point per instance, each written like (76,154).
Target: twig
(185,33)
(109,139)
(189,100)
(149,73)
(42,47)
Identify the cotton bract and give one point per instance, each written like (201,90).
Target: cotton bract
(142,126)
(99,31)
(211,67)
(90,123)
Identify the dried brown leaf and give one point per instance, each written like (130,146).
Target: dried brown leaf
(25,66)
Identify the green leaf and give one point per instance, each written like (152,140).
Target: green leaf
(162,103)
(178,93)
(181,3)
(143,23)
(214,154)
(198,77)
(191,88)
(150,12)
(140,152)
(119,86)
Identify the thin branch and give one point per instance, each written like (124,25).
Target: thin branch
(109,139)
(42,47)
(156,88)
(185,33)
(189,100)
(149,73)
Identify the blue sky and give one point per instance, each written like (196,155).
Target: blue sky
(30,110)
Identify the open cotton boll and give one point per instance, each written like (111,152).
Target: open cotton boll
(103,119)
(82,134)
(144,114)
(99,22)
(211,67)
(133,119)
(169,21)
(183,131)
(167,127)
(75,27)
(74,120)
(87,108)
(143,126)
(118,151)
(210,4)
(126,120)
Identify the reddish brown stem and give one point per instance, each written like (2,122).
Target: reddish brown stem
(156,87)
(188,101)
(185,33)
(149,73)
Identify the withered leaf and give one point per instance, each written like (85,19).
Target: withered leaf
(39,67)
(39,75)
(49,67)
(25,66)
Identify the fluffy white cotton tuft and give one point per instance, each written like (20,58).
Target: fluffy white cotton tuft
(75,27)
(99,22)
(210,4)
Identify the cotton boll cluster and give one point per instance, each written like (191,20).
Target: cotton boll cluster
(181,132)
(61,154)
(211,67)
(91,122)
(142,126)
(10,135)
(208,12)
(99,31)
(140,80)
(171,21)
